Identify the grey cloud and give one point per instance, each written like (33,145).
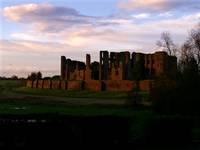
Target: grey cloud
(46,17)
(49,18)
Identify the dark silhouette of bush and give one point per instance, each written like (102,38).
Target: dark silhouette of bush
(179,98)
(14,77)
(183,96)
(35,76)
(56,77)
(47,78)
(134,98)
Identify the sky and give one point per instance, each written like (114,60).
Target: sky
(35,33)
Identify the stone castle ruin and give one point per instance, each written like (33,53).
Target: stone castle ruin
(118,66)
(115,71)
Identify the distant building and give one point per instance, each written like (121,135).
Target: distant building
(119,66)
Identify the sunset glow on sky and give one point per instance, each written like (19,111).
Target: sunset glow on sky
(35,33)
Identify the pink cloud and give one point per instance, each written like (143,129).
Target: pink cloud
(45,17)
(156,5)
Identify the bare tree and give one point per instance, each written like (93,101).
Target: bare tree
(186,55)
(194,39)
(167,43)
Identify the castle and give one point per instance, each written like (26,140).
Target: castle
(118,66)
(115,71)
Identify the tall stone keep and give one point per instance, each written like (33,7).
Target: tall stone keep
(104,65)
(88,61)
(63,67)
(88,69)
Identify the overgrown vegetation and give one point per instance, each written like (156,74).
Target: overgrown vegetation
(181,96)
(35,76)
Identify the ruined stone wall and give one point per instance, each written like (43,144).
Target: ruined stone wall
(63,85)
(80,75)
(63,67)
(47,84)
(160,62)
(75,85)
(93,85)
(35,84)
(72,76)
(104,65)
(123,85)
(40,84)
(88,74)
(119,66)
(29,83)
(55,84)
(146,85)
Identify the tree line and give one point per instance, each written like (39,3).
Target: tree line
(31,76)
(183,97)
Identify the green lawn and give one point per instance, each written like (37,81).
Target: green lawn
(72,94)
(17,86)
(7,85)
(38,104)
(103,95)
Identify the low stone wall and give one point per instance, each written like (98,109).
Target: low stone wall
(47,84)
(40,84)
(123,85)
(74,85)
(55,84)
(146,85)
(35,84)
(63,85)
(93,85)
(29,84)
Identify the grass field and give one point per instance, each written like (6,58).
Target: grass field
(17,99)
(19,87)
(72,94)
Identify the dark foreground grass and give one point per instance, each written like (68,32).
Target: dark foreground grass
(91,122)
(60,109)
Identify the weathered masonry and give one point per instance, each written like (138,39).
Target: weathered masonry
(115,71)
(119,66)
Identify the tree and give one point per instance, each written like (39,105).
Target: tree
(167,43)
(14,77)
(35,76)
(32,76)
(39,75)
(194,41)
(183,97)
(55,77)
(47,78)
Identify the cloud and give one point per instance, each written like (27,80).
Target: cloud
(157,5)
(23,71)
(31,46)
(141,16)
(126,34)
(166,14)
(45,17)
